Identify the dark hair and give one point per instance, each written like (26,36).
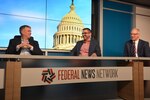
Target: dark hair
(87,29)
(22,27)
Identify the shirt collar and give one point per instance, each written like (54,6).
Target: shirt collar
(137,41)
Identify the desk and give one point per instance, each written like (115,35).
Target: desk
(129,87)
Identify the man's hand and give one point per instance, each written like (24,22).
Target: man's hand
(25,44)
(94,55)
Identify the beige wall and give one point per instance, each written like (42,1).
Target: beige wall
(143,22)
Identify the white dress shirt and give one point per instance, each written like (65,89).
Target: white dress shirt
(136,47)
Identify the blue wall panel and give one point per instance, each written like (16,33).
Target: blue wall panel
(117,26)
(117,6)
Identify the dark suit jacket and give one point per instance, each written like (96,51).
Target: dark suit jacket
(93,48)
(17,40)
(143,49)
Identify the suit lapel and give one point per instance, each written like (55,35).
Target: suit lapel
(130,47)
(90,47)
(79,47)
(18,41)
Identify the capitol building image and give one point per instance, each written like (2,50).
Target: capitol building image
(69,31)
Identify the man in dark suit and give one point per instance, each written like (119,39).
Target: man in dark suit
(24,44)
(136,47)
(86,47)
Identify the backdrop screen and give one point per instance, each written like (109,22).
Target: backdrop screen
(42,15)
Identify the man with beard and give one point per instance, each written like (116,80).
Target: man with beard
(88,46)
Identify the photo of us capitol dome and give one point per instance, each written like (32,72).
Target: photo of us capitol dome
(69,31)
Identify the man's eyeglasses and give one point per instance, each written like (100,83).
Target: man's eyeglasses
(86,33)
(134,33)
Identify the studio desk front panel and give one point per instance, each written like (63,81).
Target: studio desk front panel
(71,79)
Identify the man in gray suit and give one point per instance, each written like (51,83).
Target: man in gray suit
(136,47)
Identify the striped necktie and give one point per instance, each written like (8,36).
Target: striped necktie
(133,49)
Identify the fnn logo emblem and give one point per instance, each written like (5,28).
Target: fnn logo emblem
(48,75)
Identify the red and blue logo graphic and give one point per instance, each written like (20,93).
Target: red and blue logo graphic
(48,75)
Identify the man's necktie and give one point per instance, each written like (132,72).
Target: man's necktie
(133,49)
